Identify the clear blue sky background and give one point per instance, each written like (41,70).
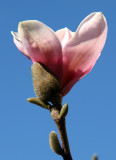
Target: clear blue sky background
(91,122)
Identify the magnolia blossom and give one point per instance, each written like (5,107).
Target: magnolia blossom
(69,55)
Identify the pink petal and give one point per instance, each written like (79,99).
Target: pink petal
(83,49)
(42,45)
(19,44)
(64,36)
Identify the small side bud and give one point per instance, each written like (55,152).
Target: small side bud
(46,85)
(64,111)
(54,143)
(37,101)
(95,157)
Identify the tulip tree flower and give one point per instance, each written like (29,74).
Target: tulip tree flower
(66,55)
(69,55)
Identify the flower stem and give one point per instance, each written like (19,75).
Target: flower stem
(60,123)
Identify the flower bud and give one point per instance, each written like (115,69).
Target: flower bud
(64,111)
(94,157)
(54,143)
(46,85)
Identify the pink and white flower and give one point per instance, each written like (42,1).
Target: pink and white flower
(69,55)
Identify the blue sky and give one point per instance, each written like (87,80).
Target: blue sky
(91,121)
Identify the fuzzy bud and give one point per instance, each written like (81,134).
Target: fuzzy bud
(54,143)
(64,111)
(46,85)
(94,157)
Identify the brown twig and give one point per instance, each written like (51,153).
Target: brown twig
(60,123)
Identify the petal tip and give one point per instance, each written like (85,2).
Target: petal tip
(21,25)
(103,17)
(15,35)
(101,14)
